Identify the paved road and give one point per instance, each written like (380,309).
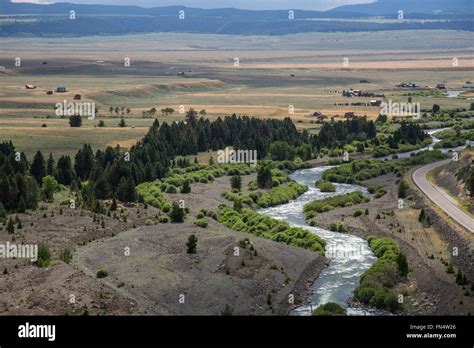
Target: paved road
(440,197)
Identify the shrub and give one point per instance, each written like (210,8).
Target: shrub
(248,221)
(357,213)
(200,215)
(391,302)
(65,255)
(171,189)
(149,222)
(329,309)
(166,208)
(44,256)
(102,273)
(228,311)
(212,214)
(338,201)
(201,223)
(325,186)
(191,244)
(375,283)
(164,219)
(280,195)
(402,189)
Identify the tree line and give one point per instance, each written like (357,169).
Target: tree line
(114,172)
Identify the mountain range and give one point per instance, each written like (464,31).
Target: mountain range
(53,19)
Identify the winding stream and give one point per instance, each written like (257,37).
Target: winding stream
(349,255)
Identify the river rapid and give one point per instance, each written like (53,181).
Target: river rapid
(350,256)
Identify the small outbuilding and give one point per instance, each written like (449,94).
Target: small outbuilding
(375,102)
(49,92)
(77,97)
(61,90)
(349,115)
(441,86)
(30,86)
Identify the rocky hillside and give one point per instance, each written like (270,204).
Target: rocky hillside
(457,176)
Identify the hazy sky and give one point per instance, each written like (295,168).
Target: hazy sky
(243,4)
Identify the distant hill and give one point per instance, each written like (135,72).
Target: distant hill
(389,7)
(52,20)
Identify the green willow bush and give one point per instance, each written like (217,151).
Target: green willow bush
(389,269)
(334,202)
(275,196)
(248,221)
(325,186)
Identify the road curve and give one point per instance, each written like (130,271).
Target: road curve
(441,198)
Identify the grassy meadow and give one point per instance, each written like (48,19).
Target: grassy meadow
(304,72)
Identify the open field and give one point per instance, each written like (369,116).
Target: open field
(276,75)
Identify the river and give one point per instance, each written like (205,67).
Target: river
(349,255)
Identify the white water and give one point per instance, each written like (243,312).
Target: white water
(349,255)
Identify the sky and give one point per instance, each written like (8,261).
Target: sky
(318,5)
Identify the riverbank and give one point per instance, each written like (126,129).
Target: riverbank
(429,289)
(257,280)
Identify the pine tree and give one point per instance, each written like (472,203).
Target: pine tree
(402,189)
(32,194)
(102,188)
(10,226)
(122,123)
(84,162)
(50,165)
(186,188)
(428,220)
(3,212)
(113,206)
(75,121)
(64,171)
(192,244)
(38,167)
(21,206)
(236,182)
(126,191)
(264,177)
(470,182)
(459,277)
(238,205)
(422,216)
(402,264)
(177,213)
